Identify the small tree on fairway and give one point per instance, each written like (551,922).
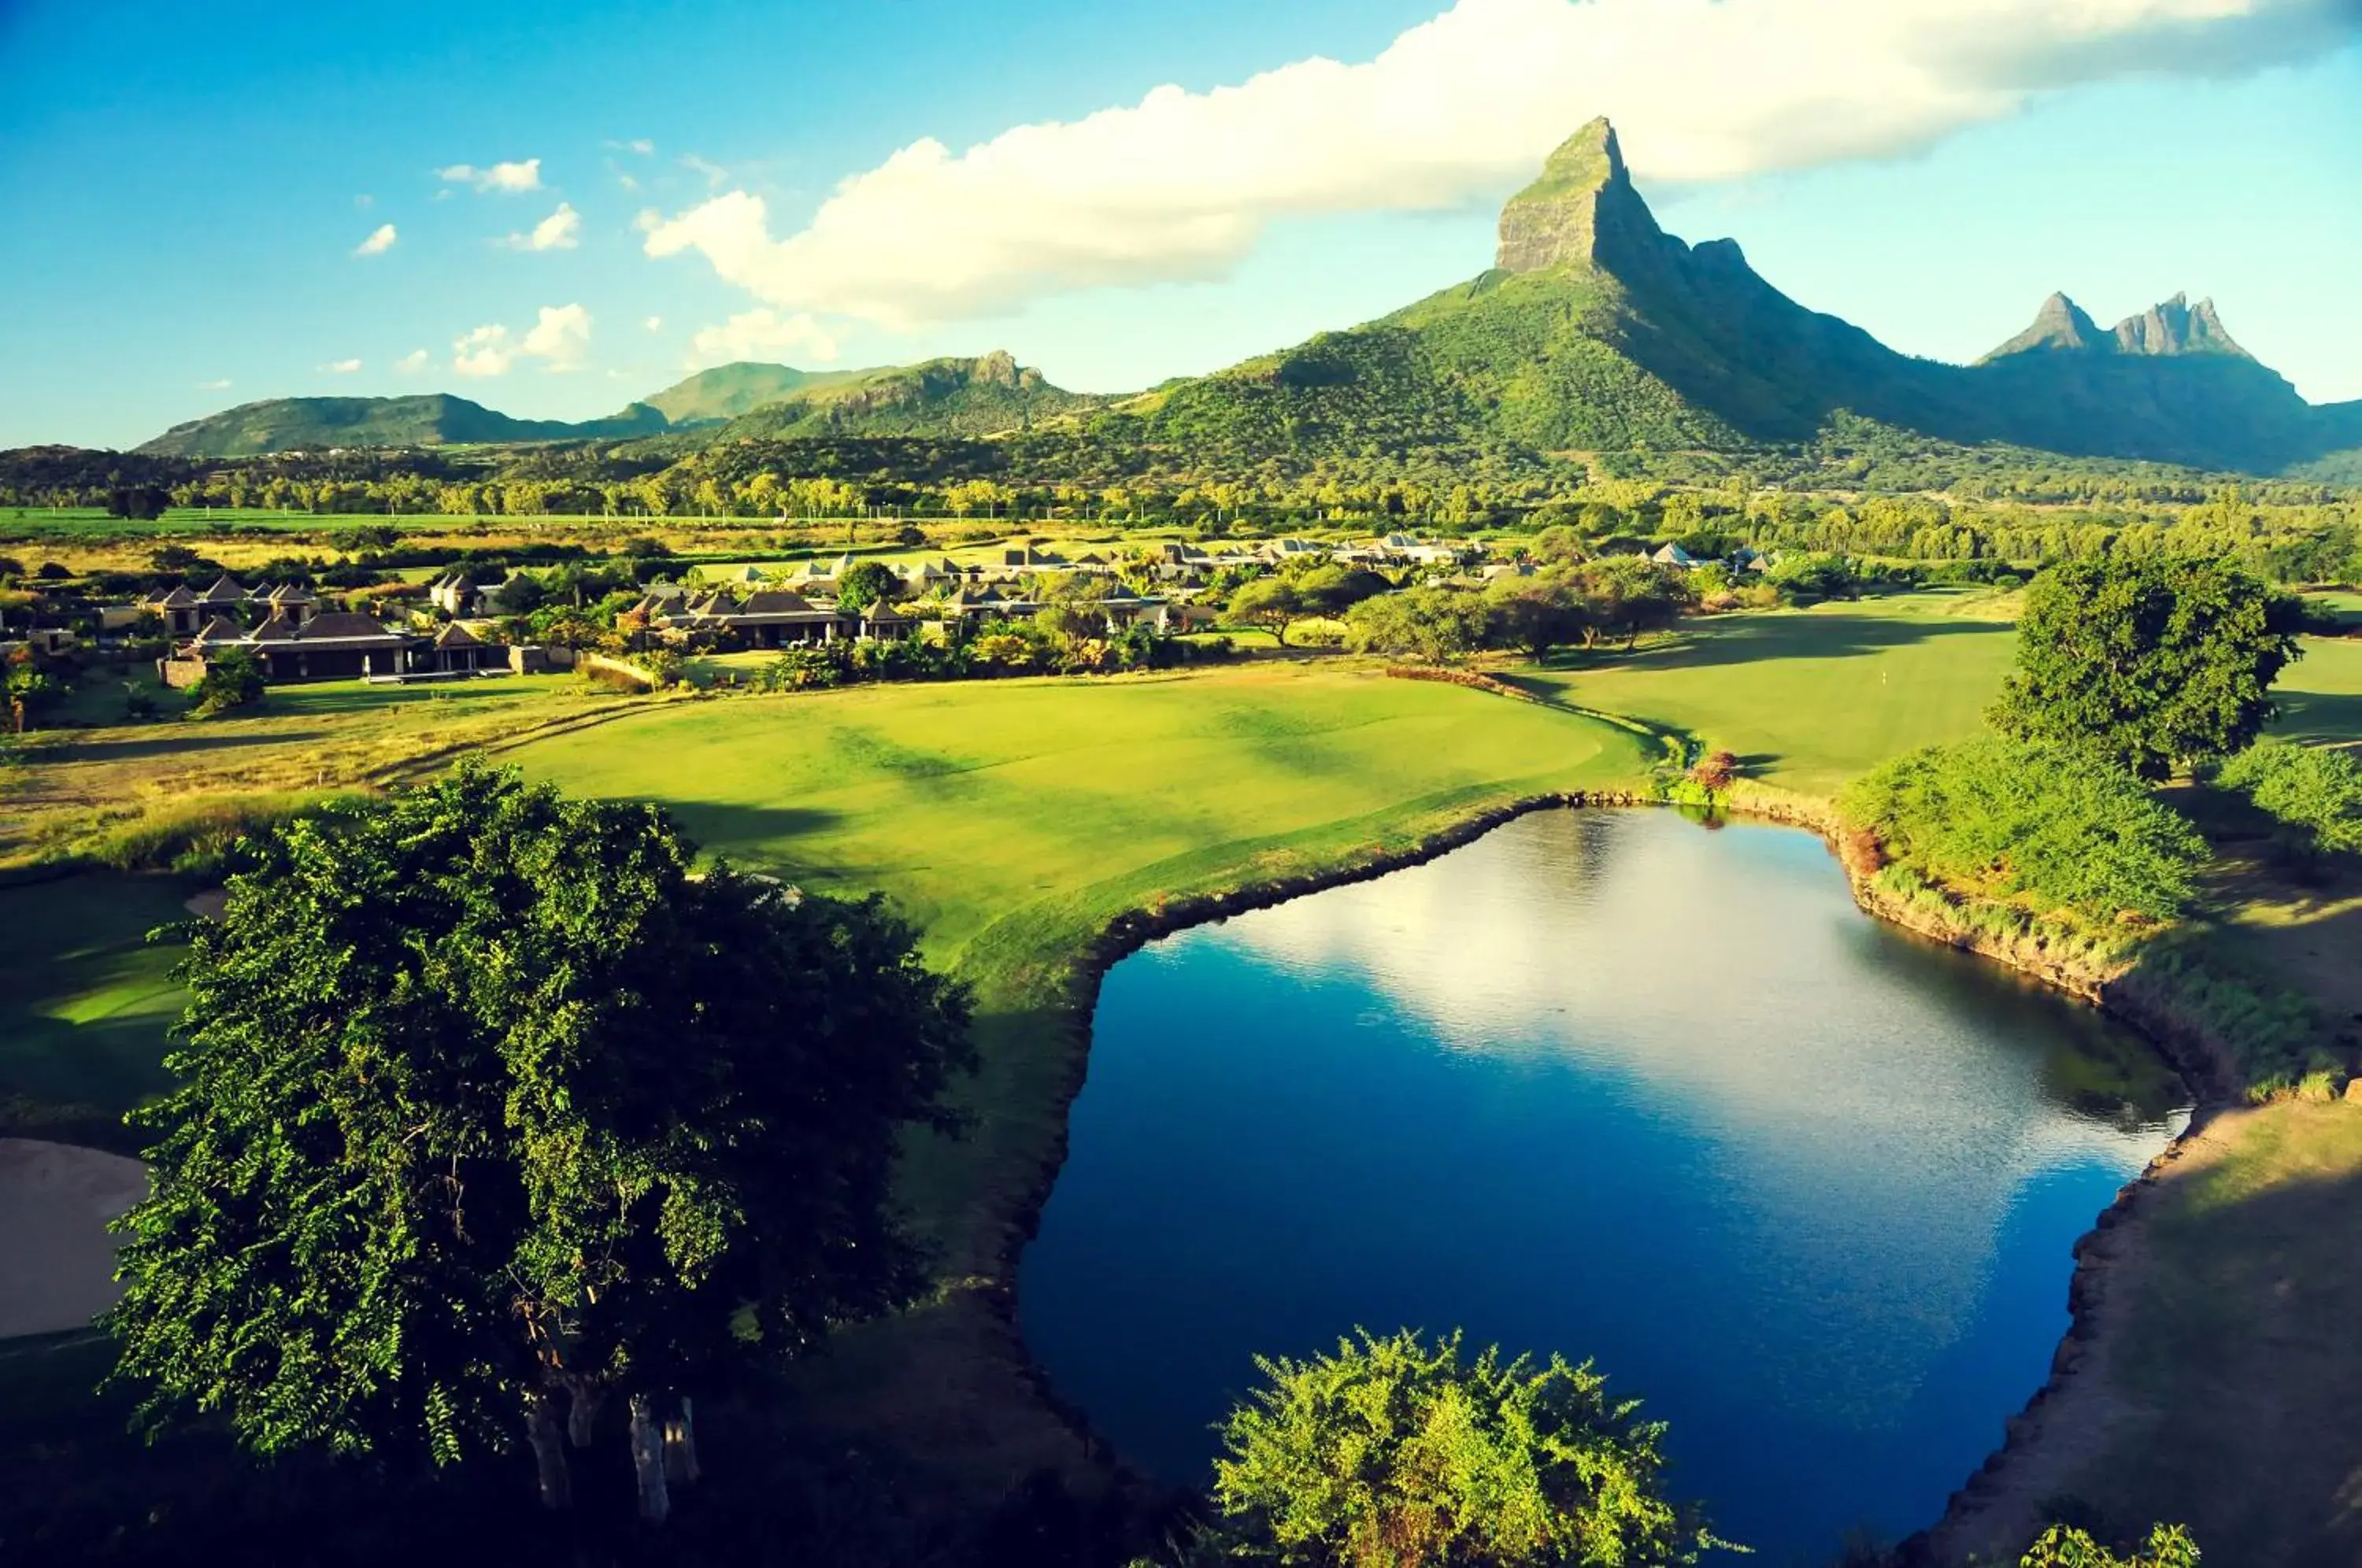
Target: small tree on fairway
(1537,613)
(2156,662)
(1397,1452)
(1269,601)
(865,583)
(232,680)
(489,1106)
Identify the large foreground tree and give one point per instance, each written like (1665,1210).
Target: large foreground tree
(2157,662)
(493,1108)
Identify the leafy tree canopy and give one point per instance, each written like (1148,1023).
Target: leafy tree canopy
(233,679)
(2168,1546)
(1397,1452)
(487,1099)
(2158,662)
(865,583)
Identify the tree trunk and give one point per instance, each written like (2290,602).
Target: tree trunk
(681,1445)
(582,1418)
(548,1452)
(648,1460)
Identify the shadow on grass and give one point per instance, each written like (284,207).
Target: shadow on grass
(2240,1354)
(748,832)
(2327,718)
(1751,638)
(178,742)
(82,1489)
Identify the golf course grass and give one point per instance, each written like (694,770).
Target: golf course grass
(84,1003)
(1011,821)
(1808,699)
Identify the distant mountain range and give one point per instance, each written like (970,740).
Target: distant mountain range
(1595,330)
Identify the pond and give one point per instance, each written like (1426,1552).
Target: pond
(1614,1085)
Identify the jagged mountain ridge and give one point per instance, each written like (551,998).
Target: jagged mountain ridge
(1597,329)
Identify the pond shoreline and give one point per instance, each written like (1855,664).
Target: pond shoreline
(1989,1501)
(2001,1504)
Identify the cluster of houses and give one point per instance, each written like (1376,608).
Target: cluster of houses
(773,609)
(292,637)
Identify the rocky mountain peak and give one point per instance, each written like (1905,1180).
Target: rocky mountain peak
(2175,326)
(2061,326)
(1583,210)
(2169,327)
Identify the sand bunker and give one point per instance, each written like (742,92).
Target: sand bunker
(57,1256)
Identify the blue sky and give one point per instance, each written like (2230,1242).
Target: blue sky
(190,185)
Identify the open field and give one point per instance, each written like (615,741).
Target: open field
(85,791)
(1012,820)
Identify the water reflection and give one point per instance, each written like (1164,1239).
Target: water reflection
(1607,1084)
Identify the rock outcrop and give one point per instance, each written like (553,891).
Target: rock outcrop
(1583,211)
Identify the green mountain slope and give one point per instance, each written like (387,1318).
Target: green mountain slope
(431,419)
(726,391)
(941,397)
(1598,330)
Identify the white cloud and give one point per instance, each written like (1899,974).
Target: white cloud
(558,231)
(559,339)
(522,175)
(341,367)
(412,362)
(759,333)
(654,324)
(221,385)
(380,241)
(364,200)
(715,173)
(1181,184)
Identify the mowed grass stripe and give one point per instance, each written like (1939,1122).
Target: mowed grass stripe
(964,804)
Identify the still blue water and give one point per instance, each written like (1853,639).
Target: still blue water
(1611,1084)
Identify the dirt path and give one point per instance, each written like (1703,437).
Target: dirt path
(57,1258)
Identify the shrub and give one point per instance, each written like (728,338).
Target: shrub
(2057,824)
(231,680)
(1715,771)
(2313,790)
(2168,1546)
(1394,1451)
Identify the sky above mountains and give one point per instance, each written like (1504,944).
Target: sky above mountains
(553,209)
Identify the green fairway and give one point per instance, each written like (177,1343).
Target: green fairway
(2321,694)
(1809,698)
(966,803)
(83,1000)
